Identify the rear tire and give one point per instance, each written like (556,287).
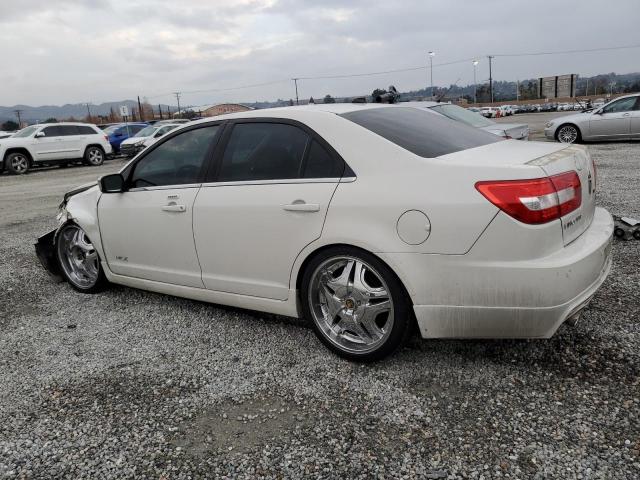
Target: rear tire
(356,304)
(17,163)
(94,156)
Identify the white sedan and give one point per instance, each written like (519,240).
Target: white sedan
(364,219)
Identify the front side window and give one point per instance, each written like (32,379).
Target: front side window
(263,151)
(52,131)
(622,105)
(178,161)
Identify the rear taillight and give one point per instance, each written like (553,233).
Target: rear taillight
(535,201)
(106,138)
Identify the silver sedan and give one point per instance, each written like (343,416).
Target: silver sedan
(616,120)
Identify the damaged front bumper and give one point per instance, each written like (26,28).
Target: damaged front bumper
(46,252)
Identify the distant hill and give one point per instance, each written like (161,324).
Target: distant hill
(78,110)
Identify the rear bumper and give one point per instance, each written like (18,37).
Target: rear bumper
(459,296)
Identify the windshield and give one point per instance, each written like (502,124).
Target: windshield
(463,115)
(419,131)
(26,132)
(146,132)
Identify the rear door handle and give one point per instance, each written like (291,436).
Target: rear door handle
(174,208)
(302,207)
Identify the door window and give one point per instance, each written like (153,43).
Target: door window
(68,130)
(178,161)
(52,131)
(622,105)
(263,151)
(320,164)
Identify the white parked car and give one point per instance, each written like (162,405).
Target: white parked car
(53,143)
(505,110)
(489,112)
(145,137)
(361,218)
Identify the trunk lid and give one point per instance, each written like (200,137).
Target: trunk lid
(573,158)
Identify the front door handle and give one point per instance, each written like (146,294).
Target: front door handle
(626,114)
(302,207)
(174,208)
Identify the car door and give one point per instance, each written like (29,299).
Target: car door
(613,121)
(71,141)
(264,202)
(47,144)
(635,120)
(147,230)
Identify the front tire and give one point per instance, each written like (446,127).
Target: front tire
(94,156)
(356,304)
(78,259)
(568,133)
(17,163)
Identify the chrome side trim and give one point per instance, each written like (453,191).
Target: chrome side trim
(164,187)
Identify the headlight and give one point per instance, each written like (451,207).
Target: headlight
(549,124)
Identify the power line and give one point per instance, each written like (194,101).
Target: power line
(562,52)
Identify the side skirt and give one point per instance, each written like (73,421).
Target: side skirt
(288,308)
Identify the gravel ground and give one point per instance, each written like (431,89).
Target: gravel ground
(131,384)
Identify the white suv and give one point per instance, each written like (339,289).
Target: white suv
(53,143)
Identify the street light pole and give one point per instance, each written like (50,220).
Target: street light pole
(475,82)
(431,55)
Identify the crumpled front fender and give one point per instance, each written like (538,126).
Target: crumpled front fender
(46,252)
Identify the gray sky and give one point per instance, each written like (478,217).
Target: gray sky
(71,51)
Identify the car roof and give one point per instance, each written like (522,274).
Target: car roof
(84,124)
(296,112)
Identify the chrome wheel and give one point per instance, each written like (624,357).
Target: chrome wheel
(95,156)
(568,134)
(351,304)
(19,163)
(78,258)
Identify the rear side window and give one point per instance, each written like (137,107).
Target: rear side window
(421,132)
(263,151)
(68,130)
(320,164)
(85,130)
(178,161)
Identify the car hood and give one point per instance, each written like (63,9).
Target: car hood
(133,140)
(575,117)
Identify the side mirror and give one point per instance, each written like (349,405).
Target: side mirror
(39,135)
(157,135)
(113,183)
(599,112)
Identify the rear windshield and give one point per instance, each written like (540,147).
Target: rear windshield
(421,132)
(463,115)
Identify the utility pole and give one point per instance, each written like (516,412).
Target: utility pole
(431,55)
(160,110)
(475,82)
(517,90)
(490,57)
(177,94)
(88,113)
(586,90)
(141,114)
(295,80)
(18,112)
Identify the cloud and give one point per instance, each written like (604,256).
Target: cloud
(99,50)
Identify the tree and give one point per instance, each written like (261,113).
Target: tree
(9,126)
(51,120)
(329,99)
